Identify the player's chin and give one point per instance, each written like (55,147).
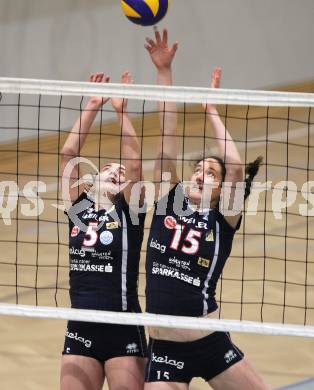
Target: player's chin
(195,196)
(110,189)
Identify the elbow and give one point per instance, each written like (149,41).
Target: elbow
(134,167)
(235,169)
(67,153)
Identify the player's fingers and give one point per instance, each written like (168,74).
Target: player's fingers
(165,36)
(148,48)
(158,37)
(151,42)
(93,78)
(174,48)
(216,78)
(99,77)
(125,77)
(217,72)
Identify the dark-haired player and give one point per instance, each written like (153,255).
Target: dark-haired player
(189,242)
(104,249)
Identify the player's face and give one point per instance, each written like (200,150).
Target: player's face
(206,183)
(110,178)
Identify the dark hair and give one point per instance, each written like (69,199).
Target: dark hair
(251,170)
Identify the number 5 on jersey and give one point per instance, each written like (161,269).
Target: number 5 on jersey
(91,235)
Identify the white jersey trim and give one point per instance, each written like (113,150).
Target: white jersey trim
(211,270)
(124,262)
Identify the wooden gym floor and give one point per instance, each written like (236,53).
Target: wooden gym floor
(30,349)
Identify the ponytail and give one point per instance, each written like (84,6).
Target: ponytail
(250,172)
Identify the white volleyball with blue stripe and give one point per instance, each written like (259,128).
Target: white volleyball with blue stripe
(145,12)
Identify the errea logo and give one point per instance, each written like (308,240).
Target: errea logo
(229,356)
(132,348)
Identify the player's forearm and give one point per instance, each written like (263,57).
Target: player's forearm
(80,130)
(167,110)
(164,76)
(226,146)
(129,145)
(167,149)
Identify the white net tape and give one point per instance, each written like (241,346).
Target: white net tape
(166,321)
(157,93)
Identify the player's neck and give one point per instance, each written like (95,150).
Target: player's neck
(102,202)
(202,207)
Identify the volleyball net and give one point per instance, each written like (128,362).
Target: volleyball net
(267,285)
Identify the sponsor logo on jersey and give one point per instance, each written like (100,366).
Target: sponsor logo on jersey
(170,222)
(103,255)
(173,273)
(210,235)
(87,267)
(156,245)
(95,216)
(203,262)
(75,336)
(76,251)
(165,360)
(106,237)
(197,224)
(88,249)
(230,355)
(108,268)
(112,225)
(75,231)
(132,348)
(180,263)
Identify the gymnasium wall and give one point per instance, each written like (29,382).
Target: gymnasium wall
(259,44)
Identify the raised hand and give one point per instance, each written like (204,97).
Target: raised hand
(160,53)
(216,76)
(215,83)
(120,104)
(98,78)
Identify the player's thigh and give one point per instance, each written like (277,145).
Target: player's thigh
(81,373)
(241,375)
(125,373)
(166,386)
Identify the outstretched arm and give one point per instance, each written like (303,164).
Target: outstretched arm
(77,137)
(131,152)
(227,148)
(162,57)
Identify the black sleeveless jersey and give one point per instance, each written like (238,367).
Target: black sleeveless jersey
(104,259)
(185,257)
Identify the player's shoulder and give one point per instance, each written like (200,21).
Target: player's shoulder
(227,223)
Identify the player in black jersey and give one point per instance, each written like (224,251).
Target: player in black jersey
(190,240)
(104,248)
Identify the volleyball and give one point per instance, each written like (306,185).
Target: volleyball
(145,12)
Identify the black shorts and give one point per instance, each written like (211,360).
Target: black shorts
(104,341)
(171,361)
